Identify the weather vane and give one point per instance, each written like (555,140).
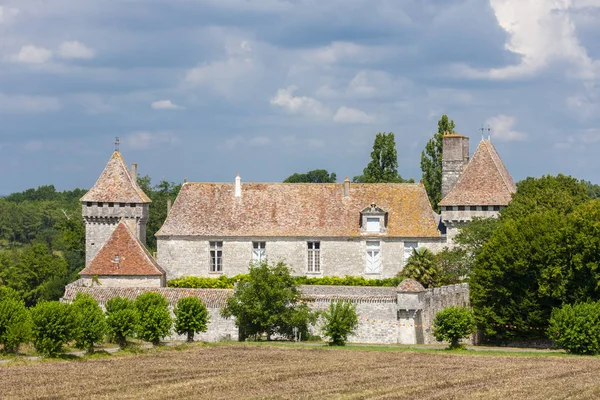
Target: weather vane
(488,129)
(117,143)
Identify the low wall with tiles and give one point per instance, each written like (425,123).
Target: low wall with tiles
(386,316)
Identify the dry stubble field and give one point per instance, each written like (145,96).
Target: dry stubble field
(249,371)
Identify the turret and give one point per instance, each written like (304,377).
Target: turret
(455,157)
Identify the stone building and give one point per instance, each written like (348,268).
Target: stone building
(479,187)
(333,229)
(115,196)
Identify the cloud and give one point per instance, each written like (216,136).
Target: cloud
(337,52)
(164,105)
(299,104)
(257,141)
(75,50)
(502,128)
(33,145)
(349,115)
(32,55)
(143,139)
(28,104)
(7,14)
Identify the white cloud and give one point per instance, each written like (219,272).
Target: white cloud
(336,52)
(33,145)
(28,104)
(143,139)
(349,115)
(75,49)
(164,105)
(258,141)
(502,128)
(299,104)
(32,55)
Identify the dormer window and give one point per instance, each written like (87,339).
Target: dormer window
(373,220)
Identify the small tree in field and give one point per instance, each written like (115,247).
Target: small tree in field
(90,322)
(154,317)
(122,319)
(15,324)
(576,328)
(341,321)
(191,316)
(453,324)
(53,326)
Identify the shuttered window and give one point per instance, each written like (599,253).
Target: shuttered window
(373,258)
(314,257)
(259,252)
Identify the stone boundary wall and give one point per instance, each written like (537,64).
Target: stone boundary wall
(436,299)
(386,316)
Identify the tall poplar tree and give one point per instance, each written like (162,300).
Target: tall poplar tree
(431,162)
(383,166)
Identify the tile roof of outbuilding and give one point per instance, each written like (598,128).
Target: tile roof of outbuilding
(305,209)
(133,258)
(116,185)
(485,181)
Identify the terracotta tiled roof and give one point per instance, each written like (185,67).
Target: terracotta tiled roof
(485,181)
(212,298)
(305,209)
(116,185)
(410,286)
(133,258)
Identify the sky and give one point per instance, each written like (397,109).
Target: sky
(207,89)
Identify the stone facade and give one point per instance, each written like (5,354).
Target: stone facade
(456,216)
(387,315)
(102,218)
(455,158)
(338,257)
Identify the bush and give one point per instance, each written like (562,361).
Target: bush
(423,267)
(53,326)
(15,324)
(576,328)
(122,319)
(90,322)
(300,318)
(154,317)
(191,316)
(265,303)
(341,320)
(9,293)
(453,324)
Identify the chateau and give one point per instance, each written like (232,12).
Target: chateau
(337,229)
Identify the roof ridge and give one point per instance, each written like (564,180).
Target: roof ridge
(496,164)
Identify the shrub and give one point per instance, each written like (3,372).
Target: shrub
(300,318)
(423,267)
(576,328)
(90,322)
(191,316)
(122,319)
(15,324)
(453,324)
(266,302)
(224,282)
(53,326)
(9,293)
(341,320)
(154,317)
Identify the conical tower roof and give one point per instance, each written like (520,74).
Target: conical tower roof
(123,255)
(484,182)
(116,185)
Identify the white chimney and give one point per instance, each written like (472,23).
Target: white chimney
(168,206)
(347,187)
(238,186)
(134,170)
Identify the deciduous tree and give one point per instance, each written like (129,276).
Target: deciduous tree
(383,167)
(431,162)
(314,176)
(155,320)
(90,322)
(191,316)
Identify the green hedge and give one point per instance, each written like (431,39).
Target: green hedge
(225,282)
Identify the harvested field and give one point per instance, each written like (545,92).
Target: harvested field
(249,371)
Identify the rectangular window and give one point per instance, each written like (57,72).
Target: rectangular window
(496,208)
(314,257)
(216,256)
(461,208)
(89,204)
(132,205)
(373,224)
(121,204)
(408,249)
(373,258)
(473,208)
(100,204)
(258,252)
(111,204)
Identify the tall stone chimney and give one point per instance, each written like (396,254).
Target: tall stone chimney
(347,187)
(134,171)
(238,186)
(455,157)
(168,206)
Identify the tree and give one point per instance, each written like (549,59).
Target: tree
(15,324)
(453,265)
(53,326)
(453,324)
(422,266)
(593,190)
(90,322)
(431,162)
(266,302)
(122,319)
(191,316)
(470,240)
(576,328)
(383,166)
(314,176)
(154,317)
(341,321)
